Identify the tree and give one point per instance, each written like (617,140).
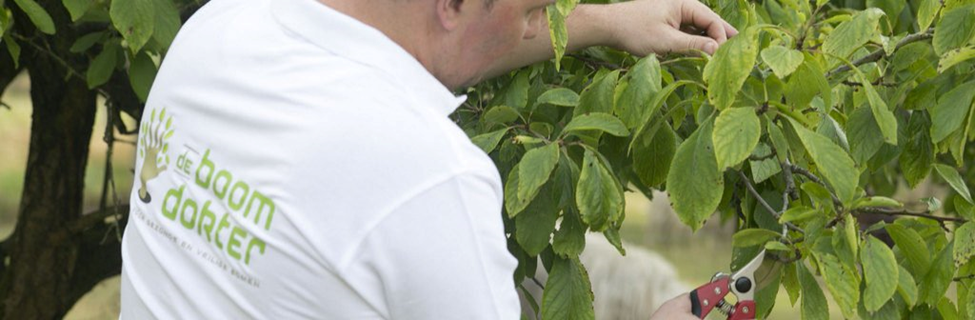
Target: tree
(73,51)
(806,121)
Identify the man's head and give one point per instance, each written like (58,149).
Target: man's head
(473,34)
(456,40)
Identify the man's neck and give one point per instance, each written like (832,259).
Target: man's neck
(405,22)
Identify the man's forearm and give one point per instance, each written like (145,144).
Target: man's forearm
(588,25)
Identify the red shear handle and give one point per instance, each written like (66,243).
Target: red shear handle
(744,310)
(706,297)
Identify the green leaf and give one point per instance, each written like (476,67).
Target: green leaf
(814,306)
(736,133)
(643,81)
(77,8)
(730,66)
(567,294)
(799,213)
(970,304)
(655,104)
(501,114)
(879,272)
(516,93)
(570,239)
(853,34)
(534,226)
(949,114)
(86,42)
(764,169)
(964,208)
(559,97)
(956,28)
(694,183)
(918,155)
(947,310)
(101,68)
(834,163)
(167,23)
(926,13)
(652,157)
(489,141)
(964,244)
(753,237)
(135,20)
(954,180)
(142,72)
(906,287)
(881,113)
(782,60)
(777,246)
(13,48)
(805,83)
(935,282)
(597,121)
(864,135)
(535,169)
(912,247)
(953,57)
(512,204)
(37,15)
(612,235)
(598,96)
(559,33)
(598,195)
(843,283)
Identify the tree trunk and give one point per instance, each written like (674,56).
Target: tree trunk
(43,252)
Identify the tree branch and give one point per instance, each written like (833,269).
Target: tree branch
(905,212)
(809,175)
(880,53)
(758,197)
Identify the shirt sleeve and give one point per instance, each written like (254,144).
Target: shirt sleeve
(441,254)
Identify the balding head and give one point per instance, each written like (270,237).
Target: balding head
(456,40)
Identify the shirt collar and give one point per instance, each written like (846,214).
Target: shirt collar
(351,39)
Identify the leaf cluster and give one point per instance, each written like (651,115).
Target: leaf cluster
(808,120)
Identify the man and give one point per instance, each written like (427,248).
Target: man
(296,159)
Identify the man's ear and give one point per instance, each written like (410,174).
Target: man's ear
(450,13)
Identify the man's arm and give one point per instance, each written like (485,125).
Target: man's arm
(641,27)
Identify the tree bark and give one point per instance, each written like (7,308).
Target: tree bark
(38,278)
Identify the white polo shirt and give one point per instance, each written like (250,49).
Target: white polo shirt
(306,169)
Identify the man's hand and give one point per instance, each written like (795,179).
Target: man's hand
(678,308)
(640,27)
(643,27)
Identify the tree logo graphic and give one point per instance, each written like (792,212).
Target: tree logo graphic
(153,146)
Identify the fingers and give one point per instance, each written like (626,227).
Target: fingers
(698,14)
(686,43)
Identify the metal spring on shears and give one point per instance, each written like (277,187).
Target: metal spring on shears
(724,307)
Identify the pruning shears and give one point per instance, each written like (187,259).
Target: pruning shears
(742,283)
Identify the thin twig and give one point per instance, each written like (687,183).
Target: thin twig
(809,175)
(877,82)
(958,279)
(47,51)
(760,158)
(880,53)
(905,212)
(593,63)
(758,197)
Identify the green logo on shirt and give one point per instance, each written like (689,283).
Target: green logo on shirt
(152,148)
